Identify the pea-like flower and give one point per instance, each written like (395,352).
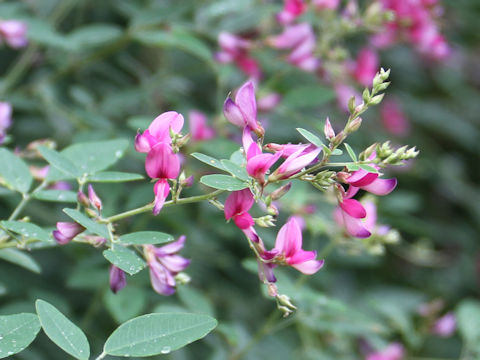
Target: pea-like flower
(66,231)
(118,279)
(159,131)
(14,33)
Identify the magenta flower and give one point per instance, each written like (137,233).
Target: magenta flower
(445,326)
(237,205)
(288,249)
(368,181)
(394,351)
(326,4)
(291,10)
(199,128)
(349,214)
(393,118)
(289,149)
(269,102)
(366,66)
(295,162)
(14,33)
(159,131)
(164,264)
(5,119)
(66,231)
(93,198)
(162,163)
(243,111)
(118,279)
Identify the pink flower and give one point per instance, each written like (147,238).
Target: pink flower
(326,4)
(66,231)
(328,130)
(349,214)
(159,131)
(5,119)
(243,111)
(93,198)
(295,162)
(164,264)
(366,66)
(300,39)
(393,118)
(118,279)
(445,326)
(199,128)
(237,205)
(288,249)
(14,33)
(269,102)
(368,181)
(394,351)
(162,163)
(291,10)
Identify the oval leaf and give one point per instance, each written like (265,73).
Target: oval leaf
(19,258)
(17,332)
(99,229)
(314,139)
(208,160)
(59,161)
(145,237)
(234,169)
(28,230)
(223,182)
(154,334)
(62,331)
(114,176)
(14,171)
(125,259)
(56,196)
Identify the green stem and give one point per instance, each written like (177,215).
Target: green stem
(25,199)
(101,356)
(149,207)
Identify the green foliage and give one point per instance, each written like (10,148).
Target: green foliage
(17,332)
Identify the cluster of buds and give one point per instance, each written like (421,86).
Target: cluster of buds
(386,155)
(14,33)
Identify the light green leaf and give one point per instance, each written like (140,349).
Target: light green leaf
(17,332)
(114,176)
(234,169)
(208,160)
(468,317)
(96,228)
(14,171)
(223,182)
(62,331)
(308,96)
(154,334)
(56,196)
(92,157)
(126,304)
(28,230)
(353,167)
(337,152)
(21,259)
(59,161)
(125,259)
(350,152)
(145,237)
(368,168)
(314,139)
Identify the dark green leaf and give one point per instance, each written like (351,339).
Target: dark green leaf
(27,230)
(368,168)
(125,259)
(223,182)
(17,332)
(59,161)
(96,228)
(56,196)
(350,152)
(14,171)
(19,258)
(234,169)
(145,237)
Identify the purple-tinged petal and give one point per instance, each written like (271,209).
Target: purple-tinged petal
(351,192)
(381,186)
(309,267)
(245,99)
(118,279)
(161,162)
(174,263)
(161,190)
(5,115)
(144,142)
(445,326)
(355,226)
(160,127)
(265,272)
(353,208)
(250,147)
(14,32)
(161,279)
(258,165)
(171,248)
(291,36)
(238,202)
(269,102)
(198,126)
(289,238)
(296,162)
(251,234)
(93,198)
(233,114)
(301,256)
(361,178)
(244,220)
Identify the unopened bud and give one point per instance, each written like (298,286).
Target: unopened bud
(392,237)
(352,104)
(182,278)
(82,199)
(366,95)
(342,176)
(272,210)
(382,86)
(354,125)
(94,199)
(188,182)
(339,138)
(278,193)
(328,130)
(377,99)
(285,301)
(368,152)
(183,140)
(384,74)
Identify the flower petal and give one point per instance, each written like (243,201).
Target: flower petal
(160,127)
(232,113)
(309,267)
(245,99)
(238,202)
(353,208)
(161,162)
(361,178)
(381,186)
(161,190)
(355,226)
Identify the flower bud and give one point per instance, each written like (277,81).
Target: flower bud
(377,99)
(66,231)
(94,199)
(188,182)
(117,279)
(354,125)
(328,130)
(182,278)
(272,289)
(281,191)
(272,210)
(82,199)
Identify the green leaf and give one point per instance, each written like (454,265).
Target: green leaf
(468,317)
(353,167)
(234,169)
(176,38)
(17,332)
(308,96)
(314,139)
(194,300)
(59,161)
(28,230)
(92,157)
(114,176)
(126,304)
(351,153)
(154,334)
(337,152)
(96,228)
(94,35)
(14,171)
(145,237)
(21,259)
(223,182)
(368,168)
(41,32)
(62,331)
(208,160)
(125,259)
(56,196)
